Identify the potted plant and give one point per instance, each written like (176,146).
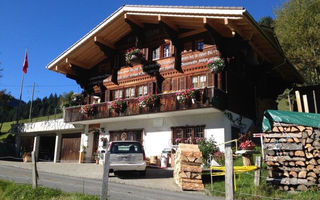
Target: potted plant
(247,146)
(89,109)
(151,101)
(216,65)
(188,95)
(119,105)
(134,56)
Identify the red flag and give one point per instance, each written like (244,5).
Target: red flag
(25,63)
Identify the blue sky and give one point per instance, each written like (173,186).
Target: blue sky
(47,28)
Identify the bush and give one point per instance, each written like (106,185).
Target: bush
(207,147)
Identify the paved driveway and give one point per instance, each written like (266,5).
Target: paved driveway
(155,178)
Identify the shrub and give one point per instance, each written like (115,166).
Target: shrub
(207,147)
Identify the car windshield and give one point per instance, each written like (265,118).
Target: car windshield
(126,147)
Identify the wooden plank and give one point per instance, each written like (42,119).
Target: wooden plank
(229,173)
(105,177)
(257,173)
(283,135)
(305,103)
(315,101)
(283,146)
(34,171)
(284,158)
(299,105)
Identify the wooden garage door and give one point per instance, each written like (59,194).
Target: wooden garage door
(70,147)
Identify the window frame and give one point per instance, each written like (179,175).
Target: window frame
(184,131)
(199,83)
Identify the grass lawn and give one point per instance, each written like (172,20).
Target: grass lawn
(13,191)
(247,190)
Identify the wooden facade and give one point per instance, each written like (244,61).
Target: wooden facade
(177,43)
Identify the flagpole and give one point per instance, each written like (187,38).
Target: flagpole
(30,111)
(21,88)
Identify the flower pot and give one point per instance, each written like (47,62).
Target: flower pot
(247,159)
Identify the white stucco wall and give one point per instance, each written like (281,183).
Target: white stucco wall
(157,131)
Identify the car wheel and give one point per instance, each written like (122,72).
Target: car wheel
(142,173)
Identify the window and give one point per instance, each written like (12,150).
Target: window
(166,51)
(199,81)
(188,134)
(156,54)
(200,45)
(130,92)
(118,94)
(142,90)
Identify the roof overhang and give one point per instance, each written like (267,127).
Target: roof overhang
(226,20)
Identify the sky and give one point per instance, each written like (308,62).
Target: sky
(47,28)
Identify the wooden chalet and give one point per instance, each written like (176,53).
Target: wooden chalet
(175,45)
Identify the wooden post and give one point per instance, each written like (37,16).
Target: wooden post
(298,101)
(34,171)
(229,188)
(315,101)
(305,103)
(289,101)
(257,173)
(105,177)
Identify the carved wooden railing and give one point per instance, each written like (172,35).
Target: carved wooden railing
(209,97)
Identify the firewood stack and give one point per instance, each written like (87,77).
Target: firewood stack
(187,169)
(293,156)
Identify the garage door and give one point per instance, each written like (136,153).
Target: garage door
(70,147)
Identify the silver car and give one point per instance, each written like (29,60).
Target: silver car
(127,156)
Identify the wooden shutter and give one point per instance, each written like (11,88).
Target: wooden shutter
(150,88)
(107,95)
(182,83)
(188,82)
(174,84)
(210,79)
(166,85)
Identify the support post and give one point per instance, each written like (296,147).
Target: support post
(298,101)
(105,176)
(257,173)
(229,187)
(36,143)
(57,148)
(305,103)
(315,101)
(34,171)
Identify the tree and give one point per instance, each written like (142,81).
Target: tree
(266,21)
(297,27)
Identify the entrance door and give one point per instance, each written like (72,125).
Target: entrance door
(126,135)
(70,147)
(46,148)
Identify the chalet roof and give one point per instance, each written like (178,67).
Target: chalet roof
(226,21)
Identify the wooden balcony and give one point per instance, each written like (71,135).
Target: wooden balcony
(209,97)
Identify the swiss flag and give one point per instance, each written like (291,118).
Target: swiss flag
(25,63)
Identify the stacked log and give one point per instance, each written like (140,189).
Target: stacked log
(187,168)
(293,156)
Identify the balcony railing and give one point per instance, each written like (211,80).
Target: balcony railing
(209,97)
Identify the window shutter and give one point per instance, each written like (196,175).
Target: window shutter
(174,84)
(188,82)
(166,85)
(107,95)
(210,79)
(150,88)
(182,83)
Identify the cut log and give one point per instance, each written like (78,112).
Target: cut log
(285,135)
(299,153)
(293,174)
(302,188)
(312,174)
(302,174)
(300,163)
(310,167)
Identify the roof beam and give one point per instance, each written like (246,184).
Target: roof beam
(104,42)
(133,20)
(136,29)
(165,20)
(216,37)
(70,62)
